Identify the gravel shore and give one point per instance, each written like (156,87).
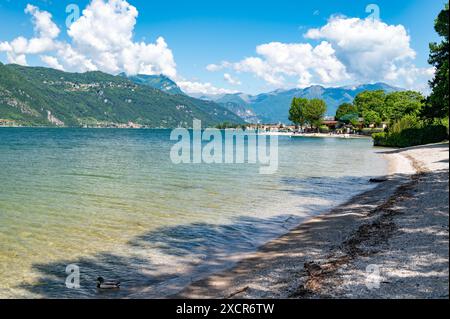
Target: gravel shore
(389,242)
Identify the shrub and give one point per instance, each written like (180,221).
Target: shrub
(411,136)
(324,129)
(379,139)
(371,131)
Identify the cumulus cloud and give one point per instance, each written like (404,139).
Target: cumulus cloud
(277,60)
(230,79)
(52,62)
(351,50)
(43,24)
(45,32)
(369,48)
(101,39)
(104,34)
(195,87)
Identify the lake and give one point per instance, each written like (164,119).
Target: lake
(111,202)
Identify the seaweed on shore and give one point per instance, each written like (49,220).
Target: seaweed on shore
(361,243)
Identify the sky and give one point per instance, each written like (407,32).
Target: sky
(216,47)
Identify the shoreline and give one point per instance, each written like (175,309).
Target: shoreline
(316,135)
(328,255)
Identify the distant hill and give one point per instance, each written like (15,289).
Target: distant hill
(43,96)
(273,107)
(160,82)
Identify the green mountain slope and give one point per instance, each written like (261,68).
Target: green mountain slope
(160,82)
(42,96)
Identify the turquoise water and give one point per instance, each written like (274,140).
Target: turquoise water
(112,202)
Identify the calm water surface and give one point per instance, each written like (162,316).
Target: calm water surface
(112,202)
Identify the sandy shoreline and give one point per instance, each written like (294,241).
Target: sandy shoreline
(389,242)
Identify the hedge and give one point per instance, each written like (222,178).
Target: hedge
(411,136)
(370,131)
(324,129)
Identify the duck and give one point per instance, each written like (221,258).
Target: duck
(112,284)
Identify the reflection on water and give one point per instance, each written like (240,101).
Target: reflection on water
(112,202)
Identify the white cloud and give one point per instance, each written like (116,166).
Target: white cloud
(104,35)
(192,87)
(369,48)
(278,60)
(351,50)
(233,81)
(52,62)
(45,33)
(218,67)
(101,39)
(43,24)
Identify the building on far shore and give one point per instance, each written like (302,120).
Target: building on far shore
(8,123)
(271,127)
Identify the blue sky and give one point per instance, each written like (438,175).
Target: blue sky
(201,33)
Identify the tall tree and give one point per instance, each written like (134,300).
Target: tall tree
(345,109)
(314,112)
(296,111)
(438,101)
(371,117)
(371,101)
(399,104)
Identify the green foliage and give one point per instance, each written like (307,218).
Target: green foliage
(438,101)
(160,82)
(408,121)
(346,109)
(377,106)
(96,98)
(350,118)
(369,131)
(371,117)
(304,111)
(398,104)
(410,131)
(354,122)
(314,112)
(371,101)
(324,129)
(296,111)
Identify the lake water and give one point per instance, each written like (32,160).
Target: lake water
(112,203)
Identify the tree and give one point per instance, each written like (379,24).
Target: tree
(399,104)
(372,100)
(296,111)
(350,118)
(345,109)
(438,101)
(371,117)
(314,111)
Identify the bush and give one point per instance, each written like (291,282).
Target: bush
(379,139)
(324,129)
(411,136)
(371,131)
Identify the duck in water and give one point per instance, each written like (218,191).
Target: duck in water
(102,284)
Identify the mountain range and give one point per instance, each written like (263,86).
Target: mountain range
(43,96)
(273,107)
(40,96)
